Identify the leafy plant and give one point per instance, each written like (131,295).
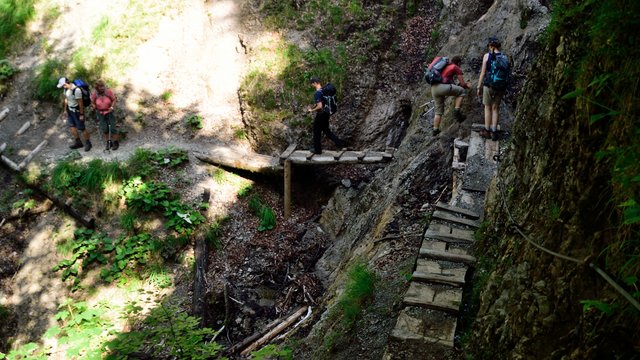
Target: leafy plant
(168,332)
(195,121)
(166,96)
(272,352)
(267,219)
(46,79)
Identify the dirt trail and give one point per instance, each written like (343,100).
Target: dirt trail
(196,56)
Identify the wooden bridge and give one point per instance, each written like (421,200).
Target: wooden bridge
(260,163)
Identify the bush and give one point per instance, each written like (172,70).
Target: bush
(46,79)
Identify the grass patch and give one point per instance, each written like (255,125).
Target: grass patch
(359,290)
(14,16)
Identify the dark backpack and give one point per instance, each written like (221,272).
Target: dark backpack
(499,72)
(329,99)
(433,75)
(86,95)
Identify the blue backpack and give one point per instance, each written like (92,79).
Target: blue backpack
(499,71)
(84,87)
(433,75)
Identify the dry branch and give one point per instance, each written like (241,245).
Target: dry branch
(277,330)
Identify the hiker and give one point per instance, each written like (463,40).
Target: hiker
(492,88)
(74,106)
(104,101)
(321,121)
(439,91)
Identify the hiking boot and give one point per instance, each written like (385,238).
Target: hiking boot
(76,145)
(87,145)
(494,135)
(484,133)
(458,115)
(436,132)
(115,145)
(108,147)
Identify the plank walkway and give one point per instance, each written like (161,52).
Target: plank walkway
(435,293)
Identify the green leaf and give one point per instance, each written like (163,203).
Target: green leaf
(52,332)
(599,305)
(601,116)
(630,280)
(574,94)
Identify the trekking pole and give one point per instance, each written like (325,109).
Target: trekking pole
(108,149)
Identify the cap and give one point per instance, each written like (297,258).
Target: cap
(61,82)
(493,41)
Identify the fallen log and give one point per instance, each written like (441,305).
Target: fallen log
(277,330)
(257,163)
(254,337)
(85,219)
(28,158)
(4,113)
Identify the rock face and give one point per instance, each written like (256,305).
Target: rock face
(357,218)
(535,304)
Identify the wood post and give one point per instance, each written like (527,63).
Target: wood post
(287,188)
(201,253)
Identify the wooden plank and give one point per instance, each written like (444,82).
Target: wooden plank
(4,113)
(436,330)
(468,213)
(373,157)
(251,162)
(9,163)
(24,128)
(287,189)
(447,255)
(288,151)
(441,215)
(423,295)
(2,147)
(338,155)
(431,271)
(449,234)
(28,158)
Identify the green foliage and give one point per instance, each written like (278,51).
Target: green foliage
(587,305)
(6,70)
(170,157)
(267,219)
(195,121)
(359,289)
(14,15)
(166,96)
(272,352)
(46,79)
(605,89)
(168,332)
(245,190)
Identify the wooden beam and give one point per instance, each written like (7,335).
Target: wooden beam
(4,113)
(201,255)
(288,152)
(28,158)
(287,188)
(253,162)
(278,329)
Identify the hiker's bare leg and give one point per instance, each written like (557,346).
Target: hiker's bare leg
(74,132)
(495,112)
(487,116)
(436,121)
(458,102)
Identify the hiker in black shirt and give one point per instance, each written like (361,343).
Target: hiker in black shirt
(321,122)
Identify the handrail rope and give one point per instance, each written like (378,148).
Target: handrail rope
(595,267)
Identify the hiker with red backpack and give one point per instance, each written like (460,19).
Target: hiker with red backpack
(494,78)
(442,74)
(74,105)
(103,101)
(325,106)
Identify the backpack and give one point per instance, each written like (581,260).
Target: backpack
(499,72)
(86,95)
(433,75)
(329,99)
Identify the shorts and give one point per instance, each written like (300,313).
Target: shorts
(491,96)
(105,121)
(440,91)
(73,119)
